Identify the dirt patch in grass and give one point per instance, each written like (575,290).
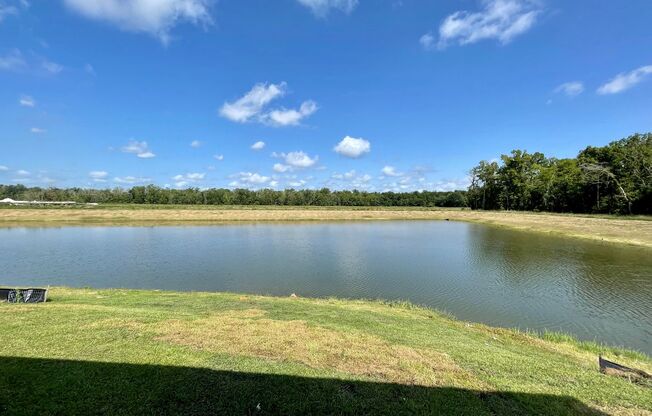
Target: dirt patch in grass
(250,333)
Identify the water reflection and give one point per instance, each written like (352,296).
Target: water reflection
(479,273)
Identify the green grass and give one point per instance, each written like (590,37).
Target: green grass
(151,352)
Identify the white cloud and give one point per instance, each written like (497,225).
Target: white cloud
(390,171)
(131,180)
(571,89)
(259,145)
(281,168)
(182,180)
(7,11)
(22,172)
(26,101)
(154,17)
(252,103)
(297,183)
(298,160)
(321,8)
(352,147)
(251,106)
(249,178)
(14,61)
(218,157)
(427,41)
(195,144)
(52,67)
(98,175)
(37,130)
(291,117)
(140,149)
(500,19)
(89,69)
(625,80)
(3,168)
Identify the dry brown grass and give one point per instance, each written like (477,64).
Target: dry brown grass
(248,333)
(616,230)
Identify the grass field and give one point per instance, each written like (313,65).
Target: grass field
(150,352)
(615,229)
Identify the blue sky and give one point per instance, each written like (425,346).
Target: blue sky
(369,94)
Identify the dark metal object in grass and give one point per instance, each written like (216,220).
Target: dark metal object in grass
(29,295)
(633,374)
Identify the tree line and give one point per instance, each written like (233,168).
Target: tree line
(152,194)
(616,178)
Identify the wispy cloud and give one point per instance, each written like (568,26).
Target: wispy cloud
(131,180)
(195,144)
(252,107)
(13,61)
(26,101)
(427,41)
(570,89)
(98,175)
(502,20)
(52,67)
(625,80)
(37,130)
(140,149)
(321,8)
(154,17)
(3,168)
(6,10)
(218,157)
(352,147)
(251,104)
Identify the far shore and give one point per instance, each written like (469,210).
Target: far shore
(635,230)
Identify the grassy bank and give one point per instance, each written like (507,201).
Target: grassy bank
(126,351)
(615,229)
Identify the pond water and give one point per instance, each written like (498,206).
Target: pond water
(478,273)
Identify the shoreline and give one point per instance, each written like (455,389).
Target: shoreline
(635,231)
(80,333)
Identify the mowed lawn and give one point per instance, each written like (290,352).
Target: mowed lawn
(150,352)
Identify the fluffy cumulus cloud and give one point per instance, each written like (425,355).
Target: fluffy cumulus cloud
(570,89)
(253,107)
(390,171)
(259,145)
(321,8)
(352,147)
(351,180)
(26,101)
(502,20)
(218,157)
(186,179)
(284,117)
(140,149)
(154,17)
(98,175)
(294,160)
(625,80)
(249,179)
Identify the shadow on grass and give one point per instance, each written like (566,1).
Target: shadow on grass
(40,386)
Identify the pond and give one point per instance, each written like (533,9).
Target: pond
(478,273)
